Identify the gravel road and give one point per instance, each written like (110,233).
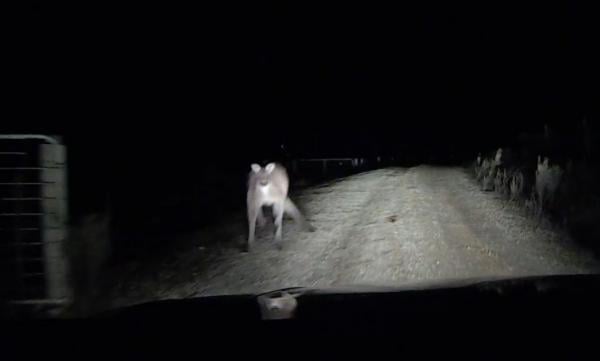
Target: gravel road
(385,227)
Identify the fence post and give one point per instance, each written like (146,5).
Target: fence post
(55,219)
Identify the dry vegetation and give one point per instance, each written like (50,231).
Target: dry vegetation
(554,177)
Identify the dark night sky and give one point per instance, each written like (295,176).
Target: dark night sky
(124,82)
(409,75)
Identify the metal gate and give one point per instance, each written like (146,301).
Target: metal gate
(33,221)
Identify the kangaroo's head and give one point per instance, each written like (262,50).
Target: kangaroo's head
(261,174)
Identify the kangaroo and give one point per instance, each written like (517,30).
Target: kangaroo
(269,186)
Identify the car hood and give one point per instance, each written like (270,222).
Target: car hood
(488,282)
(283,303)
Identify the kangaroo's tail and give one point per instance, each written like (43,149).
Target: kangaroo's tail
(291,209)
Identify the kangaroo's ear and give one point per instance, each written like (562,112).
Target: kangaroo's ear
(255,167)
(270,167)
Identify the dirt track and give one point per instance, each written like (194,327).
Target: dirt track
(384,227)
